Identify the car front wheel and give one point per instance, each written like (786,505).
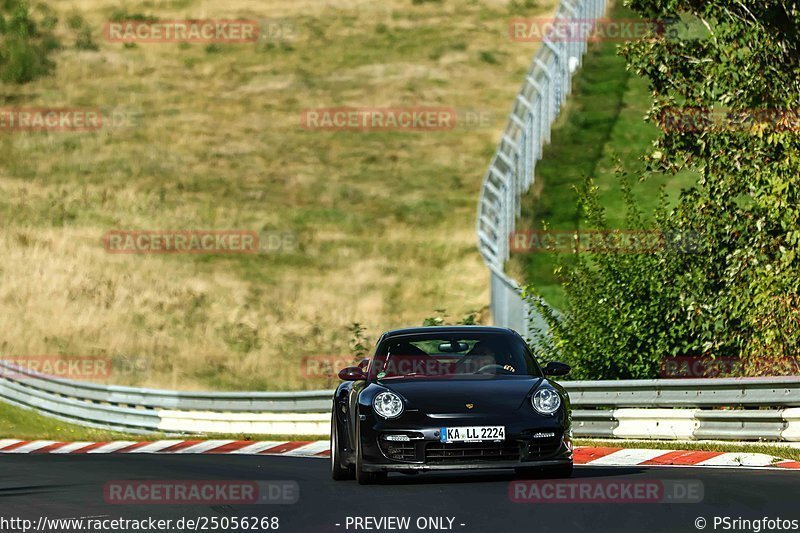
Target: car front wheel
(338,472)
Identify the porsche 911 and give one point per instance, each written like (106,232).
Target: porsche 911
(450,398)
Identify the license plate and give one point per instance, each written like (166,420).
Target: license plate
(473,433)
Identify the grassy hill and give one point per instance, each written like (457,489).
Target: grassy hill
(211,138)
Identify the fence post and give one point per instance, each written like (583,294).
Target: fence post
(511,172)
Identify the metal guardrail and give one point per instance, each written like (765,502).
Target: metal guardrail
(511,171)
(670,393)
(732,409)
(137,409)
(743,409)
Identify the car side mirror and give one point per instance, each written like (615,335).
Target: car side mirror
(352,373)
(554,368)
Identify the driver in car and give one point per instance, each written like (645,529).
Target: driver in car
(483,354)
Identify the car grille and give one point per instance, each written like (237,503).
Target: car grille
(452,452)
(399,451)
(543,448)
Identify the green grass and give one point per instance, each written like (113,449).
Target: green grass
(16,423)
(24,424)
(601,127)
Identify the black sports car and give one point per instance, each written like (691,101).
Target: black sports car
(456,397)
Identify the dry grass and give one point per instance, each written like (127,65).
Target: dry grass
(384,221)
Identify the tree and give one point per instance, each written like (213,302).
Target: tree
(727,104)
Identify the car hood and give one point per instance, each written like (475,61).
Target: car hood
(452,396)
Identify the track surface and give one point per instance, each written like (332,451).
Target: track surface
(72,486)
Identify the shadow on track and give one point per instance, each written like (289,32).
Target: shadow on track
(498,476)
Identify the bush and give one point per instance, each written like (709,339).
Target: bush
(26,42)
(85,41)
(83,33)
(622,315)
(737,293)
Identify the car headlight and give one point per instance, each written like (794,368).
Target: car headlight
(546,401)
(388,405)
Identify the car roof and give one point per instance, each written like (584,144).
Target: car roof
(449,329)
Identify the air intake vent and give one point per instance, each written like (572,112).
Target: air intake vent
(451,452)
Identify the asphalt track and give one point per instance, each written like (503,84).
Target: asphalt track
(73,486)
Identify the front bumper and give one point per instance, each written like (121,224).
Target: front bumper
(524,447)
(493,465)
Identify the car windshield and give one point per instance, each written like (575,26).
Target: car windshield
(458,356)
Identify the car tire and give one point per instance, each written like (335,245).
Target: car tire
(362,477)
(338,472)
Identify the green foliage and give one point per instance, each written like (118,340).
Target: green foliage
(440,319)
(360,345)
(737,293)
(85,41)
(75,21)
(620,319)
(241,337)
(522,7)
(746,201)
(470,319)
(488,57)
(26,41)
(123,15)
(775,349)
(83,33)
